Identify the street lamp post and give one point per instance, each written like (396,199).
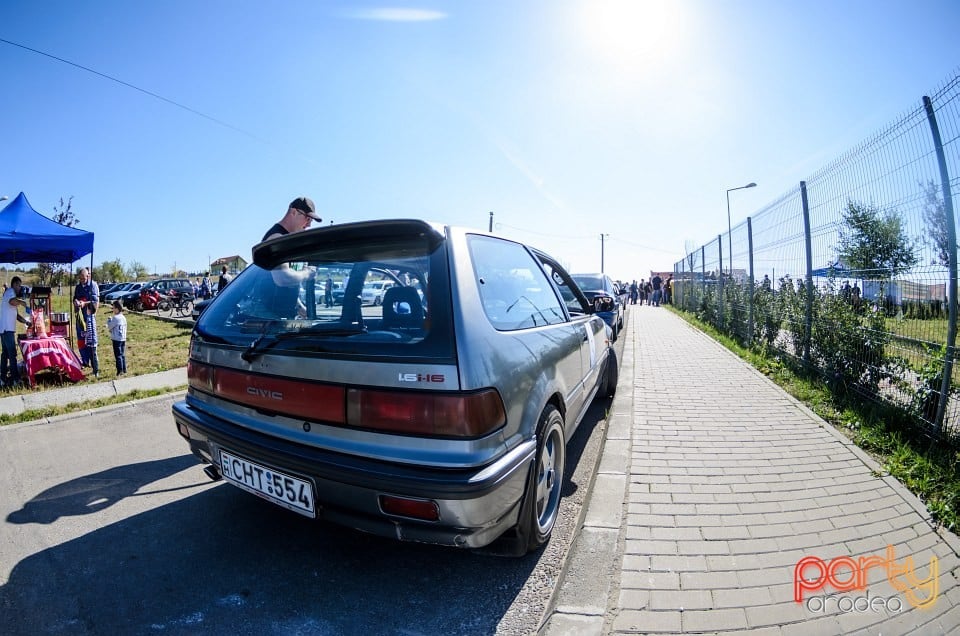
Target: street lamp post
(602,236)
(730,227)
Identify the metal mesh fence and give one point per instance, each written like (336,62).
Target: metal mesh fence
(853,274)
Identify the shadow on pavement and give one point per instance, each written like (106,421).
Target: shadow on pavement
(92,493)
(222,561)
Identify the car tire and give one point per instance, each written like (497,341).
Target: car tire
(376,301)
(613,334)
(611,375)
(138,306)
(541,501)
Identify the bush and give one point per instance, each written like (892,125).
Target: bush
(848,349)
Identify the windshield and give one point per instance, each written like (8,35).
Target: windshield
(320,302)
(588,283)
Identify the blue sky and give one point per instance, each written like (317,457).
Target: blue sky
(567,119)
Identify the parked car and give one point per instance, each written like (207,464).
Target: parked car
(130,297)
(119,292)
(600,285)
(199,307)
(104,288)
(372,293)
(443,423)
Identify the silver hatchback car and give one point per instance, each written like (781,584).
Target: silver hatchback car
(439,416)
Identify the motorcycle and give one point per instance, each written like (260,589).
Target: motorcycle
(149,299)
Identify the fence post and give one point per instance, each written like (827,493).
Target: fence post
(683,287)
(750,257)
(952,289)
(808,328)
(703,272)
(720,281)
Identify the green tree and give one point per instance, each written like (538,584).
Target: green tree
(53,274)
(111,271)
(934,215)
(137,271)
(873,240)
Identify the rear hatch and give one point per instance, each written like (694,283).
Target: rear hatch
(271,343)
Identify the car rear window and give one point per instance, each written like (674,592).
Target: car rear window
(288,308)
(589,283)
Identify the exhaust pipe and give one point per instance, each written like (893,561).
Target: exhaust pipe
(212,472)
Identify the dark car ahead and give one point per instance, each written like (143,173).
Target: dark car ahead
(600,286)
(439,416)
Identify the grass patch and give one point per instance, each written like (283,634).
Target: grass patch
(929,470)
(73,407)
(153,345)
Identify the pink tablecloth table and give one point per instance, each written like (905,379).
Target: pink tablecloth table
(53,352)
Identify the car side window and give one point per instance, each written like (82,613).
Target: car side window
(574,306)
(514,290)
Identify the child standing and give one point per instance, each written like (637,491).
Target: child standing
(90,337)
(117,324)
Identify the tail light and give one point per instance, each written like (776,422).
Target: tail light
(200,376)
(402,412)
(417,413)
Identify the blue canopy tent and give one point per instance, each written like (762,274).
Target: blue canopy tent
(26,236)
(834,270)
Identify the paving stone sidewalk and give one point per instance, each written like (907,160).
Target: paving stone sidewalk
(728,483)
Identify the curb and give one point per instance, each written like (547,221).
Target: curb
(578,605)
(17,404)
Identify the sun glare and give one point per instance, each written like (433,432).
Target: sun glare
(633,32)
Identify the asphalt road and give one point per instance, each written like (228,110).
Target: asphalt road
(110,527)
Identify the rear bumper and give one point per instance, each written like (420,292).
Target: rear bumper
(476,505)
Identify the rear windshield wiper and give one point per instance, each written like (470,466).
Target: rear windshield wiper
(259,346)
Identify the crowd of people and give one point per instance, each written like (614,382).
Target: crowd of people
(651,292)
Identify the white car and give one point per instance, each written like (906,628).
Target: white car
(372,293)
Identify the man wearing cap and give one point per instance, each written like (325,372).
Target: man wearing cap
(300,214)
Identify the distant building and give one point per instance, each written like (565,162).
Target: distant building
(234,264)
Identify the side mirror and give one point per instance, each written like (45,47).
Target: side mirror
(603,303)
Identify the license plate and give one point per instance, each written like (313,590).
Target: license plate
(279,488)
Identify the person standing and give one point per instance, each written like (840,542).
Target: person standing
(9,315)
(224,279)
(656,281)
(117,324)
(328,292)
(86,293)
(300,214)
(90,338)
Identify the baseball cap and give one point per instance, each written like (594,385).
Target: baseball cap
(306,206)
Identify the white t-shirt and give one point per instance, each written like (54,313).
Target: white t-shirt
(8,314)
